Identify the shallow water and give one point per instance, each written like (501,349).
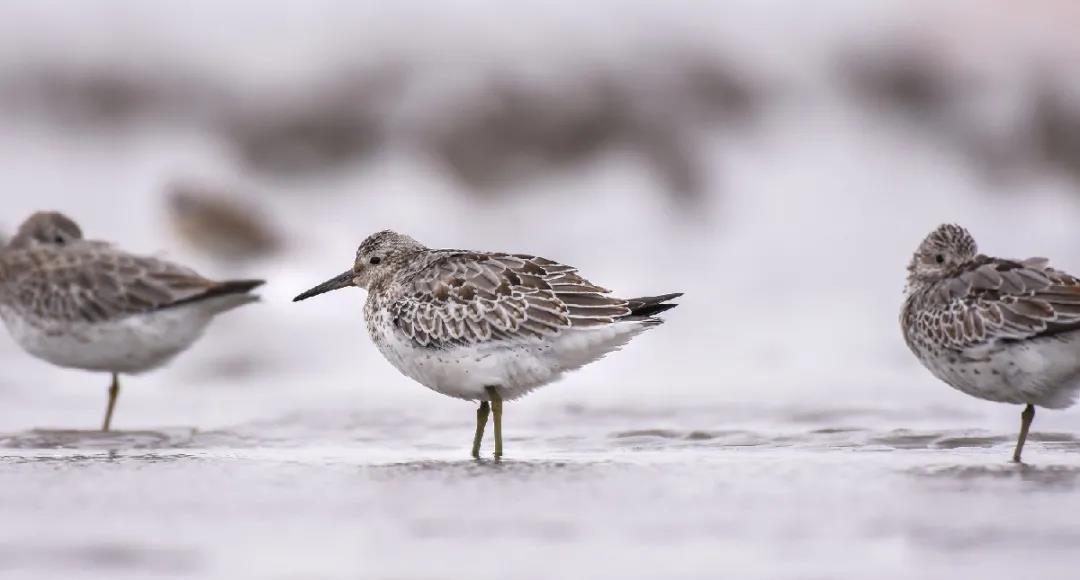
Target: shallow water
(577,497)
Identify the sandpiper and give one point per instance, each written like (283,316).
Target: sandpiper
(85,304)
(1001,330)
(486,326)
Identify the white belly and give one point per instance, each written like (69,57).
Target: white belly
(515,368)
(1044,372)
(129,345)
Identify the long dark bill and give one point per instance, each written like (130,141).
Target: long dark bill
(338,282)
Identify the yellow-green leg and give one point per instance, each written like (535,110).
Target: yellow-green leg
(114,390)
(481,422)
(1025,423)
(496,410)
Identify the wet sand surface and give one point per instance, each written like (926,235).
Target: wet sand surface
(358,498)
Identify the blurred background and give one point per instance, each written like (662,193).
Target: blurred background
(777,161)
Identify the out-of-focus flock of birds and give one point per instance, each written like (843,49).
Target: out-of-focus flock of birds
(498,130)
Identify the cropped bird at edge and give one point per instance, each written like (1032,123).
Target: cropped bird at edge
(998,329)
(87,305)
(486,326)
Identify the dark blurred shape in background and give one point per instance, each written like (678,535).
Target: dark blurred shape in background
(493,128)
(495,133)
(314,129)
(507,130)
(1008,128)
(107,97)
(910,78)
(1056,126)
(220,224)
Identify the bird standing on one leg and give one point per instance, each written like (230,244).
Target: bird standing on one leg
(87,305)
(1001,330)
(487,327)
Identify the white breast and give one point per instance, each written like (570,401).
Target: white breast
(515,367)
(129,345)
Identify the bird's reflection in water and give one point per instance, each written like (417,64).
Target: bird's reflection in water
(1060,477)
(98,440)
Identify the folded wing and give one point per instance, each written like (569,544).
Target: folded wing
(1005,300)
(467,298)
(89,284)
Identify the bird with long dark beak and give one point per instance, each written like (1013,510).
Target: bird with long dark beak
(487,327)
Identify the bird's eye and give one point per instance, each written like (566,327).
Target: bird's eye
(940,259)
(59,240)
(374,260)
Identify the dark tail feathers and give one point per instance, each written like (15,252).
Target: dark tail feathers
(222,289)
(649,306)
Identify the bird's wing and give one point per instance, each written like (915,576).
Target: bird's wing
(93,282)
(467,298)
(1004,300)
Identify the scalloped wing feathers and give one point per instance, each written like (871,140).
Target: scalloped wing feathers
(464,298)
(1000,300)
(93,282)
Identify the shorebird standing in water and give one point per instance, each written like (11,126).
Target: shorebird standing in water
(997,329)
(487,327)
(87,305)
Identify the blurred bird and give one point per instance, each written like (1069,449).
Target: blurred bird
(486,327)
(998,329)
(87,305)
(221,226)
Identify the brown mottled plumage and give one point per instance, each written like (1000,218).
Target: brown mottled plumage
(462,298)
(998,329)
(53,277)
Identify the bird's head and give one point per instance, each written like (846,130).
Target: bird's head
(377,258)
